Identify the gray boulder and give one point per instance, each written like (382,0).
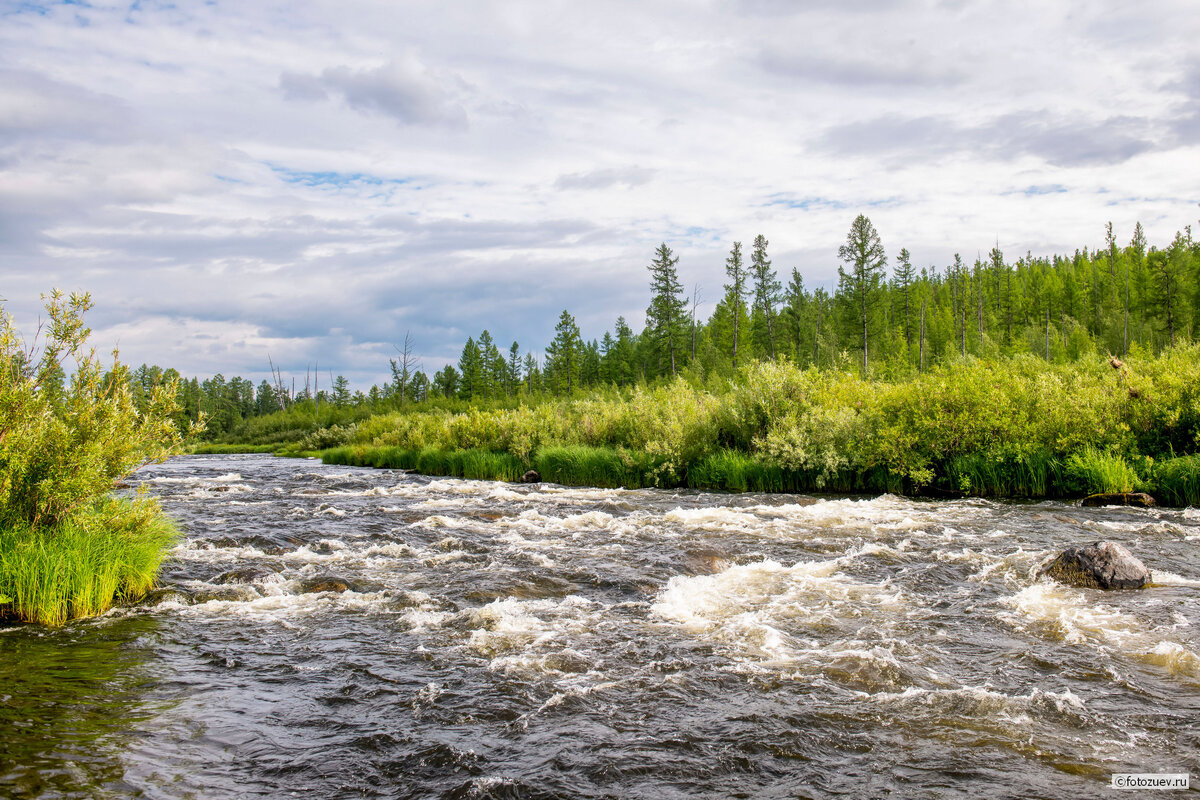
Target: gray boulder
(1100,565)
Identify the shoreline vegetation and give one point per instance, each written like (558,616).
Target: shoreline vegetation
(69,546)
(1034,377)
(1010,428)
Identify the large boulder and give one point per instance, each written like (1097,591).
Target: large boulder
(1138,499)
(531,477)
(1100,565)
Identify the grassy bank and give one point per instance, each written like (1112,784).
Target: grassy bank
(1012,428)
(81,567)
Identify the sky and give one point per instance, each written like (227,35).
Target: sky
(306,182)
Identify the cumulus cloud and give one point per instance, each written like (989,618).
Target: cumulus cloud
(1057,141)
(403,89)
(605,178)
(313,180)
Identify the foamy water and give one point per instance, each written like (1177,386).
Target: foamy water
(356,633)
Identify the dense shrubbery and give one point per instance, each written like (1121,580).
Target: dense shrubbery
(66,547)
(1012,427)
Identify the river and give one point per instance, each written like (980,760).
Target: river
(504,641)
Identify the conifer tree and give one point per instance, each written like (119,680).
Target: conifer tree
(735,293)
(903,279)
(766,294)
(864,255)
(666,315)
(564,354)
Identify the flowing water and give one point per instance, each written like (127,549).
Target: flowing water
(327,632)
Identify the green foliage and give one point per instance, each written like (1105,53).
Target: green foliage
(1177,481)
(1092,471)
(1011,427)
(61,446)
(65,547)
(76,568)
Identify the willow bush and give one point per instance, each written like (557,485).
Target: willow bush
(1012,427)
(67,548)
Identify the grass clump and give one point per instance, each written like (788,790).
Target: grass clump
(1093,471)
(1177,481)
(82,566)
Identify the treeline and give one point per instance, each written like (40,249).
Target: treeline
(888,322)
(1112,299)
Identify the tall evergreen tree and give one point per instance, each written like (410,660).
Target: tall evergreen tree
(666,315)
(766,294)
(735,295)
(863,254)
(563,356)
(902,277)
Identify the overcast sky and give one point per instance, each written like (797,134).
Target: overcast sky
(311,180)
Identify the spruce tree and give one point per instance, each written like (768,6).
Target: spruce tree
(735,294)
(666,315)
(864,255)
(766,293)
(903,279)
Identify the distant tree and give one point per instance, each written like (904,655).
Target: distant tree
(902,279)
(866,260)
(470,368)
(514,369)
(403,367)
(341,391)
(665,317)
(766,293)
(735,294)
(445,381)
(563,354)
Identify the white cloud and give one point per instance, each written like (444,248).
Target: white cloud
(316,179)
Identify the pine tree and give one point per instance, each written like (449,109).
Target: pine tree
(766,294)
(863,253)
(470,368)
(563,356)
(902,277)
(735,294)
(666,315)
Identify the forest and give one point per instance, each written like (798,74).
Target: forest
(1112,300)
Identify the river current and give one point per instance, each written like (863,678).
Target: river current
(329,632)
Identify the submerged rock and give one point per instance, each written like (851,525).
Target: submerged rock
(531,477)
(1100,565)
(325,583)
(1138,499)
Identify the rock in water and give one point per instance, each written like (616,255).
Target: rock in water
(531,477)
(1100,565)
(1139,499)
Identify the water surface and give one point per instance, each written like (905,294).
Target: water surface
(499,641)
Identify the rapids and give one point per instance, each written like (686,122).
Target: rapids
(501,641)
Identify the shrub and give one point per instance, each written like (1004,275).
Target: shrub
(63,444)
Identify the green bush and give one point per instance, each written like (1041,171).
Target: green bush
(65,547)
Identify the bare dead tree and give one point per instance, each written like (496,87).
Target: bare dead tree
(406,365)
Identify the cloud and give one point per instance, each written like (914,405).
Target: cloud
(405,90)
(842,69)
(34,106)
(1054,139)
(605,178)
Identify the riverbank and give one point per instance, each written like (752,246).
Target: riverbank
(1015,427)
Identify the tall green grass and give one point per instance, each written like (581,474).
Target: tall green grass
(473,464)
(1094,471)
(1005,474)
(80,567)
(1177,481)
